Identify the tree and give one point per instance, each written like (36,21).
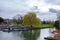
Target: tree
(1,19)
(31,19)
(18,19)
(51,23)
(57,24)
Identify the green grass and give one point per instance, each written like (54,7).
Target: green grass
(42,26)
(18,25)
(35,26)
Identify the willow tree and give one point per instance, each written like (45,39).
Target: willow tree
(18,19)
(1,19)
(31,19)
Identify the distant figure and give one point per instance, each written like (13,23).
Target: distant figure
(8,28)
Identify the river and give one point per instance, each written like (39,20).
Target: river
(26,35)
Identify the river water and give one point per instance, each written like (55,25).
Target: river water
(26,35)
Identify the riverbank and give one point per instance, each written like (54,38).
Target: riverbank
(20,27)
(28,26)
(34,26)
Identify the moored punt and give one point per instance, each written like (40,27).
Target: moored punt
(6,30)
(49,38)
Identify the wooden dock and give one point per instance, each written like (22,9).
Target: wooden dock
(56,35)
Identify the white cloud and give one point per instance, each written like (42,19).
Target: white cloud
(13,7)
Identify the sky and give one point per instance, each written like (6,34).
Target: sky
(45,9)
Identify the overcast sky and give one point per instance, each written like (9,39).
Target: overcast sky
(45,9)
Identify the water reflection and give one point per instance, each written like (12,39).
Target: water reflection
(31,35)
(25,35)
(44,33)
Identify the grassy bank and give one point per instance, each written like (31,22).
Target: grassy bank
(42,26)
(38,26)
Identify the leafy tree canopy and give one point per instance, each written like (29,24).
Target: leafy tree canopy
(31,19)
(1,19)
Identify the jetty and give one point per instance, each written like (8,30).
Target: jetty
(56,35)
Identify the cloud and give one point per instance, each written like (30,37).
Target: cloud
(54,2)
(9,8)
(12,7)
(54,10)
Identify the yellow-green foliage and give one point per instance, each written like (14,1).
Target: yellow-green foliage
(52,24)
(31,19)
